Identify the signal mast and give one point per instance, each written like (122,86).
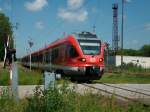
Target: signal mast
(115,38)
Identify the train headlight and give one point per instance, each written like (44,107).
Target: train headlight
(101,60)
(82,59)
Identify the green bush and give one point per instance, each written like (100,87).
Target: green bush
(7,102)
(65,99)
(128,67)
(132,67)
(51,100)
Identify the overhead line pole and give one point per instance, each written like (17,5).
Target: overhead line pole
(30,45)
(122,29)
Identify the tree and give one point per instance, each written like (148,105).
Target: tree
(145,50)
(5,30)
(129,52)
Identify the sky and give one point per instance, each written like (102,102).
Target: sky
(44,21)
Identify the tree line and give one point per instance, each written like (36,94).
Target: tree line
(143,51)
(5,31)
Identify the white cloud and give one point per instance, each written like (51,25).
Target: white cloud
(74,11)
(147,26)
(80,15)
(74,4)
(36,5)
(39,25)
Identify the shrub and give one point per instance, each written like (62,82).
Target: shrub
(64,99)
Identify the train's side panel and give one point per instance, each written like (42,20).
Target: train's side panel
(65,56)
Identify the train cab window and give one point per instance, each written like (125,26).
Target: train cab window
(72,52)
(90,47)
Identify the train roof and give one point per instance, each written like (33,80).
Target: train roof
(86,36)
(78,36)
(55,43)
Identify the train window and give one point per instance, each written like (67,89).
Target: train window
(62,50)
(36,58)
(90,47)
(44,57)
(72,52)
(54,54)
(47,60)
(33,58)
(40,58)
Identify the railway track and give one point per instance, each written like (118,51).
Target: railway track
(122,93)
(135,91)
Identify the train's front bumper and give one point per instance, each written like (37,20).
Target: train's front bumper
(94,70)
(85,71)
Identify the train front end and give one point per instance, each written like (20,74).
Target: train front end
(90,60)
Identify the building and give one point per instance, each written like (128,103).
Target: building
(141,61)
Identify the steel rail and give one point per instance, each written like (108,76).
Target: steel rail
(109,92)
(137,88)
(121,96)
(126,89)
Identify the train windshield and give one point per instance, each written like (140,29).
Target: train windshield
(90,47)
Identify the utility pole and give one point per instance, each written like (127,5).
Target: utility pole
(30,45)
(14,40)
(122,29)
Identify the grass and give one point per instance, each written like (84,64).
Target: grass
(131,73)
(34,77)
(64,99)
(26,77)
(125,78)
(128,68)
(4,76)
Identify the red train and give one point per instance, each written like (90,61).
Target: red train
(78,56)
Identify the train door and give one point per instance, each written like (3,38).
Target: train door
(67,50)
(71,53)
(62,53)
